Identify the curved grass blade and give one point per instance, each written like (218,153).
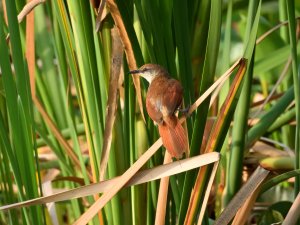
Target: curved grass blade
(141,177)
(215,142)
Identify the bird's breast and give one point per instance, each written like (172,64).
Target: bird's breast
(164,96)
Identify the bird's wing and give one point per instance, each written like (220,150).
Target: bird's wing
(153,106)
(172,97)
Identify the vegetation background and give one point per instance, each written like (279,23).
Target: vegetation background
(67,104)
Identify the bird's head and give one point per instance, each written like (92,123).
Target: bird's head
(150,71)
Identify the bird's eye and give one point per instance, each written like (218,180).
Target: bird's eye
(145,69)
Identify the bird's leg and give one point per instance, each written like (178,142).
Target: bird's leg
(159,122)
(184,111)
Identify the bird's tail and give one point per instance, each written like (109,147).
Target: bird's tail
(174,138)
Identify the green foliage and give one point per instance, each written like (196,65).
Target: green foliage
(196,41)
(275,213)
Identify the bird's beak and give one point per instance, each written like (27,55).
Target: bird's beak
(134,72)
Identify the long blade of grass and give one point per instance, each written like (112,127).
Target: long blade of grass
(293,214)
(214,86)
(226,50)
(215,142)
(254,181)
(278,82)
(66,33)
(28,8)
(160,216)
(21,115)
(58,135)
(278,179)
(296,82)
(282,120)
(10,92)
(241,114)
(272,59)
(128,49)
(81,21)
(267,120)
(207,193)
(141,177)
(116,62)
(243,213)
(211,56)
(182,38)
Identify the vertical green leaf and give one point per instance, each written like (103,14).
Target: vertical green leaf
(241,115)
(211,56)
(296,79)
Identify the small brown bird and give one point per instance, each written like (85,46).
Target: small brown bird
(164,97)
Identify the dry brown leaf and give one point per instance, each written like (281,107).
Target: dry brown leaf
(116,62)
(24,12)
(212,141)
(238,200)
(162,196)
(207,131)
(102,12)
(207,192)
(50,175)
(261,150)
(141,177)
(213,87)
(128,49)
(293,214)
(244,212)
(73,179)
(28,8)
(48,190)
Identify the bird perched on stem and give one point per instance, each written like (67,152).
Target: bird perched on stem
(164,97)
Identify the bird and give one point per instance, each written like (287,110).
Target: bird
(163,100)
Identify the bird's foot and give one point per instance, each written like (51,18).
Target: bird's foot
(184,111)
(159,122)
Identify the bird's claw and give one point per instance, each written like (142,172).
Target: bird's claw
(185,110)
(159,122)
